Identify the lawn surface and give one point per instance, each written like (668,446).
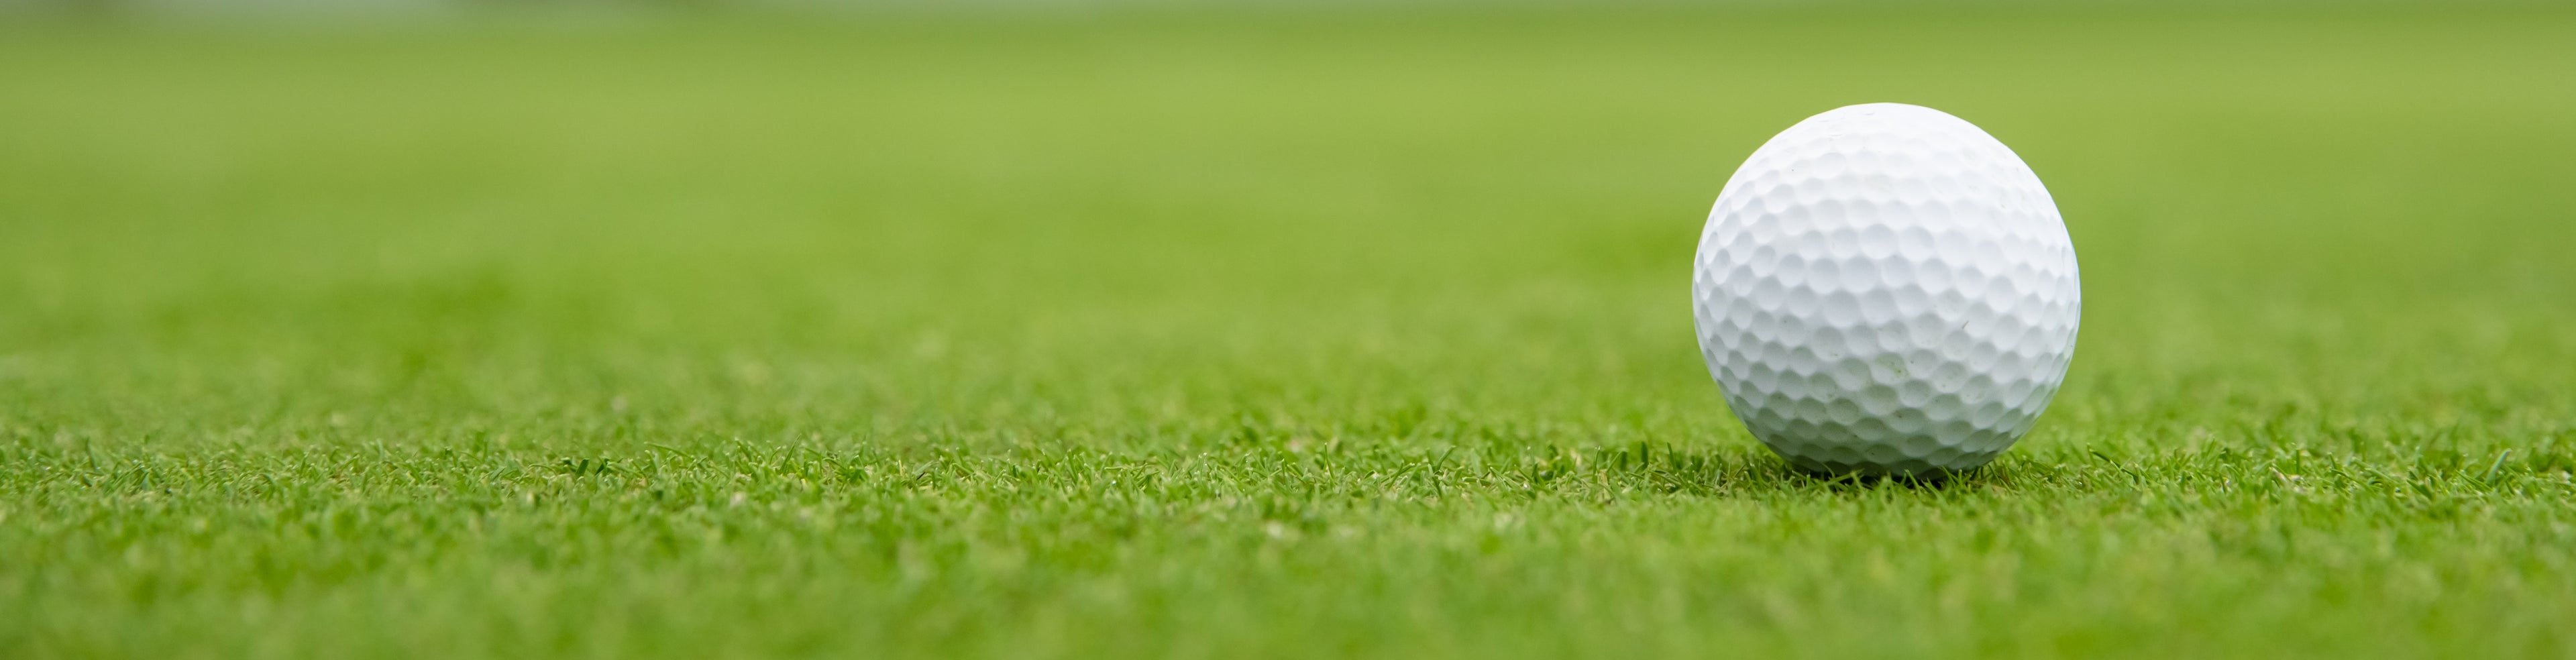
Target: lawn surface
(1227,336)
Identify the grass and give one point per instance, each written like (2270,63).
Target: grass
(1283,335)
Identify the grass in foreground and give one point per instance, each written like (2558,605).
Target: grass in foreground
(1218,337)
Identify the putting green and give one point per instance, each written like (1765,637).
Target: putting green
(1288,334)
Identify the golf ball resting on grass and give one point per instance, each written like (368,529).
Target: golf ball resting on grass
(1886,289)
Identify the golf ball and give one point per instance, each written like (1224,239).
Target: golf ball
(1886,289)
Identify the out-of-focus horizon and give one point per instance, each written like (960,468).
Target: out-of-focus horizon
(364,11)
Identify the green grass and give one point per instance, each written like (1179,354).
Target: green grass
(1288,335)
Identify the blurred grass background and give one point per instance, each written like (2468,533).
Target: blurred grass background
(1248,332)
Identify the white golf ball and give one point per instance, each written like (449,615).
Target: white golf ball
(1886,289)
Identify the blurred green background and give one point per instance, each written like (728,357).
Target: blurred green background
(1278,331)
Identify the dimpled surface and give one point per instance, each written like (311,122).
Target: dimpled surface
(1886,289)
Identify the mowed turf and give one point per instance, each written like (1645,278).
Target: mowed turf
(1296,334)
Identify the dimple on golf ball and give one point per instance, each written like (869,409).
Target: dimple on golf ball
(1886,289)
